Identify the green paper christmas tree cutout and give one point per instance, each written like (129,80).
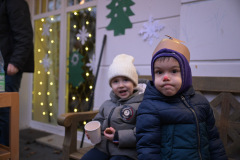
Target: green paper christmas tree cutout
(120,12)
(75,69)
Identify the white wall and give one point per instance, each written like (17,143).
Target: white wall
(25,101)
(211,31)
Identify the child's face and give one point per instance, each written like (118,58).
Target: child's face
(167,75)
(122,86)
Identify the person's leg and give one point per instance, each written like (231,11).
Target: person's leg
(95,154)
(12,84)
(120,158)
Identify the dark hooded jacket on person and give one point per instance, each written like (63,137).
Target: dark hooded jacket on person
(16,43)
(180,127)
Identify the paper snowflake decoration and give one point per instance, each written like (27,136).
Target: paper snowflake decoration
(46,27)
(46,62)
(150,30)
(82,35)
(92,64)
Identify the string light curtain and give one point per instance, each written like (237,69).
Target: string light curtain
(46,50)
(81,58)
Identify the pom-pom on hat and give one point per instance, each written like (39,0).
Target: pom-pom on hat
(122,65)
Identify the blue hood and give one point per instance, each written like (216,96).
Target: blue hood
(186,72)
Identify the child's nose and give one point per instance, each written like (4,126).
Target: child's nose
(121,84)
(165,78)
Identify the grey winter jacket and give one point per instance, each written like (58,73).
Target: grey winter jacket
(121,115)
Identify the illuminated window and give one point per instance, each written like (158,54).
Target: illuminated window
(81,53)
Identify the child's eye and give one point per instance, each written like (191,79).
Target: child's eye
(126,79)
(115,81)
(158,72)
(175,71)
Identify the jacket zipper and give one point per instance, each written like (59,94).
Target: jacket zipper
(109,118)
(195,115)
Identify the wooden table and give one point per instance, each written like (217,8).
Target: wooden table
(11,100)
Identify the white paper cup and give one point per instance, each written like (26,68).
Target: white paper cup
(93,129)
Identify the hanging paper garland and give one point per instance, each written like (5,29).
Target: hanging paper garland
(120,12)
(75,69)
(150,30)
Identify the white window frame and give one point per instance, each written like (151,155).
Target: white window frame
(59,130)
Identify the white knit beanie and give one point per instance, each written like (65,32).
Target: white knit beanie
(122,65)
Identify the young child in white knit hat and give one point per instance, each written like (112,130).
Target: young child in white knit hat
(118,115)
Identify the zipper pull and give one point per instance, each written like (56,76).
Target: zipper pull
(183,98)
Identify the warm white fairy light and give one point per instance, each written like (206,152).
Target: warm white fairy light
(48,72)
(87,74)
(86,48)
(39,50)
(40,61)
(44,113)
(89,9)
(78,38)
(75,110)
(52,19)
(73,98)
(48,93)
(75,13)
(51,83)
(87,99)
(90,87)
(39,72)
(50,30)
(49,52)
(87,22)
(41,83)
(52,41)
(84,122)
(40,29)
(50,104)
(50,114)
(39,93)
(41,103)
(89,35)
(74,26)
(42,19)
(42,39)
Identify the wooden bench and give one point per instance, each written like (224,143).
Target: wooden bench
(224,92)
(70,121)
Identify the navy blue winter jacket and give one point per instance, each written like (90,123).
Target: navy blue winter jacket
(181,127)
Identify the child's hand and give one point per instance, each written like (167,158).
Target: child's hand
(109,133)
